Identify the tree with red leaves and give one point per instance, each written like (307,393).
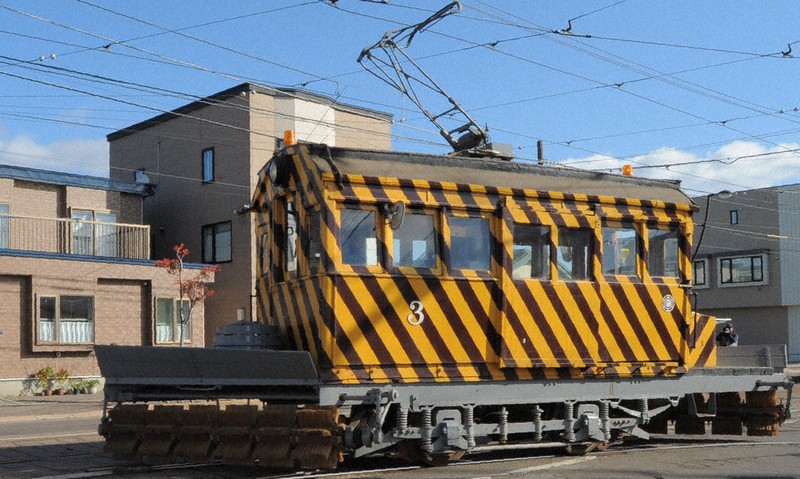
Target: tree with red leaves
(195,289)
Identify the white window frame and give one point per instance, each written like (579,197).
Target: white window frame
(4,225)
(764,270)
(58,330)
(103,238)
(175,328)
(706,264)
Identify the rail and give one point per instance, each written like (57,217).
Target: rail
(74,237)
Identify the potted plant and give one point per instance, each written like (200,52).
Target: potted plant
(90,386)
(44,380)
(62,381)
(75,386)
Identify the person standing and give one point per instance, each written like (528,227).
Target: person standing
(728,337)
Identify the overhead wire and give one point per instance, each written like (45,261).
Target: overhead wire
(170,61)
(661,76)
(475,46)
(206,42)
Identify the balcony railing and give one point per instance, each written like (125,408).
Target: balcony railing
(78,237)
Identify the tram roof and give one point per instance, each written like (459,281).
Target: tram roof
(495,173)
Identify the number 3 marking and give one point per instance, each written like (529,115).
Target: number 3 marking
(417,316)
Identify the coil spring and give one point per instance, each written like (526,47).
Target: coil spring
(426,431)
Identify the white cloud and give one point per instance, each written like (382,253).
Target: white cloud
(85,157)
(740,165)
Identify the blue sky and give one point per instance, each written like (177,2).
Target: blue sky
(701,91)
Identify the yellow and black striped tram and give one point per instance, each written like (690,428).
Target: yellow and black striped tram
(432,306)
(400,268)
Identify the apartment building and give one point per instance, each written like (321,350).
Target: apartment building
(75,271)
(747,266)
(202,160)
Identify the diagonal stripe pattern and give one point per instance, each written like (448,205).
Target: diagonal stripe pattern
(378,322)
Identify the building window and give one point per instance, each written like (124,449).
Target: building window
(662,252)
(65,320)
(82,232)
(358,238)
(168,320)
(208,165)
(94,233)
(742,270)
(3,225)
(573,257)
(531,252)
(414,242)
(734,217)
(217,242)
(619,249)
(700,273)
(470,243)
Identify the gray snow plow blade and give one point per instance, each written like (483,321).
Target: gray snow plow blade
(146,373)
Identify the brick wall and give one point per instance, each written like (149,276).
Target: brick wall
(123,310)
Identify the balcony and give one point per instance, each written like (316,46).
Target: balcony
(74,237)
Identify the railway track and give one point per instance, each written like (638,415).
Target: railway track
(88,462)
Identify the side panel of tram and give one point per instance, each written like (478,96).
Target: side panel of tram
(477,283)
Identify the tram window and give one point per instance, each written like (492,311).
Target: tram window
(574,254)
(619,250)
(415,242)
(263,249)
(358,240)
(531,252)
(470,243)
(291,238)
(313,242)
(662,252)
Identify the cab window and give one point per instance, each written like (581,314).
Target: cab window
(531,252)
(291,239)
(313,241)
(662,251)
(470,243)
(414,243)
(619,249)
(358,238)
(574,254)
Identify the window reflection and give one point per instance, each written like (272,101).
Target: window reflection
(358,240)
(531,252)
(291,238)
(574,254)
(414,242)
(662,254)
(314,241)
(619,250)
(470,243)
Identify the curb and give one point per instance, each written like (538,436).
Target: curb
(52,417)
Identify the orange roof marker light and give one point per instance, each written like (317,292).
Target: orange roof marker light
(288,138)
(627,170)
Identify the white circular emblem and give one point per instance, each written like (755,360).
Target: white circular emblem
(668,303)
